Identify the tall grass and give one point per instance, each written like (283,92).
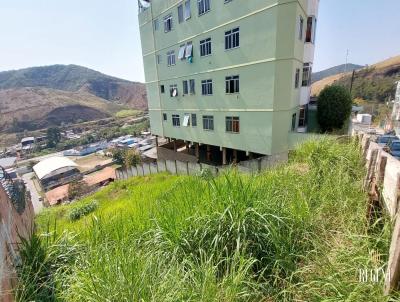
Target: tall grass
(295,233)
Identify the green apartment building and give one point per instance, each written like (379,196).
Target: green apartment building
(227,80)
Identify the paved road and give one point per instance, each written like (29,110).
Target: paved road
(37,205)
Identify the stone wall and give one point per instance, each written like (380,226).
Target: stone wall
(13,224)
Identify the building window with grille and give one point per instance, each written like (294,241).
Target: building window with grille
(301,28)
(188,13)
(311,29)
(204,6)
(185,87)
(173,90)
(165,117)
(192,86)
(232,38)
(232,124)
(297,78)
(181,54)
(302,117)
(171,58)
(180,13)
(208,122)
(205,47)
(194,120)
(232,84)
(307,71)
(162,88)
(176,120)
(206,87)
(168,23)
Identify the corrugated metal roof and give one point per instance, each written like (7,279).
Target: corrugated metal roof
(7,162)
(52,164)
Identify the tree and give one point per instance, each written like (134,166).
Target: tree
(334,108)
(77,189)
(53,137)
(132,158)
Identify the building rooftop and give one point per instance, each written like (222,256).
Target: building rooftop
(52,164)
(27,139)
(7,162)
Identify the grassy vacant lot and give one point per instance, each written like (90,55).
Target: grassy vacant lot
(296,233)
(127,113)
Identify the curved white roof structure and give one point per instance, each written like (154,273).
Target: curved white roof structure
(51,165)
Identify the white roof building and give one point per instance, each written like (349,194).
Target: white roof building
(53,166)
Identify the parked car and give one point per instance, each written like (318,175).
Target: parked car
(384,140)
(394,148)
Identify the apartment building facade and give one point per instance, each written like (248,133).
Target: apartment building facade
(229,78)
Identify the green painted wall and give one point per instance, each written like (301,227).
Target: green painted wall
(266,61)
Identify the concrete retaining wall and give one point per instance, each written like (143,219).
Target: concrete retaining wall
(12,225)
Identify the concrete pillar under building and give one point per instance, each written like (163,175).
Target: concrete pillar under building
(224,156)
(208,153)
(175,148)
(197,151)
(235,159)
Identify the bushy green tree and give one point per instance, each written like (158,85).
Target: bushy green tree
(132,158)
(53,137)
(334,108)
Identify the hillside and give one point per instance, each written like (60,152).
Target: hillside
(317,76)
(373,83)
(43,96)
(231,238)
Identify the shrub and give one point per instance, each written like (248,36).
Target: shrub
(334,108)
(79,212)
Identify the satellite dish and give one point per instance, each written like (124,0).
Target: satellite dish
(174,92)
(145,3)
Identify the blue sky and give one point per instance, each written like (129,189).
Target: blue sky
(104,34)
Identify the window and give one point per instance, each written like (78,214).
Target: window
(188,13)
(176,121)
(311,29)
(232,38)
(302,117)
(186,120)
(206,87)
(173,90)
(189,50)
(171,58)
(185,87)
(232,84)
(227,1)
(204,6)
(158,59)
(297,78)
(181,54)
(294,121)
(168,23)
(194,120)
(156,24)
(164,116)
(301,28)
(307,71)
(232,124)
(205,47)
(180,13)
(191,86)
(208,122)
(162,88)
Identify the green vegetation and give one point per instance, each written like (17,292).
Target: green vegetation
(81,211)
(53,137)
(334,108)
(126,157)
(295,233)
(127,113)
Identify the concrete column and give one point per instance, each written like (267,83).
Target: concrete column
(208,153)
(175,148)
(235,156)
(197,151)
(156,140)
(224,156)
